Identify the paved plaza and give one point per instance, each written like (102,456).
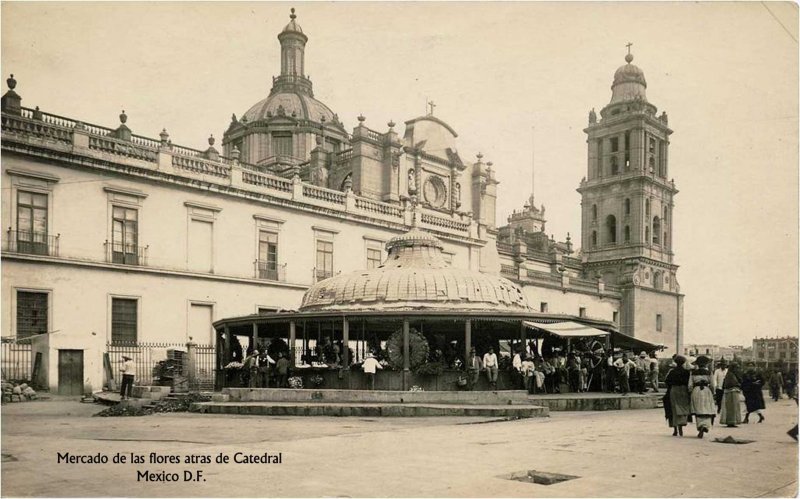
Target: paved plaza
(615,453)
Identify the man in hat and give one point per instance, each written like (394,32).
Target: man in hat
(642,366)
(474,366)
(251,363)
(719,378)
(128,370)
(490,364)
(370,366)
(652,372)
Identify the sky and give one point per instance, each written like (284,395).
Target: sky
(509,78)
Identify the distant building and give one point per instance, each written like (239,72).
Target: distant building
(778,349)
(717,352)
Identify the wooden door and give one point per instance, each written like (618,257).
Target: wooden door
(70,372)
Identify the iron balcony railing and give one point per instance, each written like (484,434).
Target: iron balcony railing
(270,271)
(32,243)
(126,254)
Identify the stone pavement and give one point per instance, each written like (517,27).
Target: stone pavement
(615,453)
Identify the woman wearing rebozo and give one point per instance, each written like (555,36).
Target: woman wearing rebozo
(701,387)
(730,413)
(678,396)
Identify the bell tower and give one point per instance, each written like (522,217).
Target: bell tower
(627,200)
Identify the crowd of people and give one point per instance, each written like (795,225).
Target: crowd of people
(729,393)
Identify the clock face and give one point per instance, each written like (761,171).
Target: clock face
(435,192)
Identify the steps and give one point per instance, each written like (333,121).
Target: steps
(365,409)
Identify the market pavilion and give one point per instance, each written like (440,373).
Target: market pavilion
(415,308)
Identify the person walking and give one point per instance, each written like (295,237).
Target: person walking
(775,384)
(474,366)
(719,379)
(490,364)
(753,390)
(702,399)
(370,366)
(677,381)
(730,413)
(128,370)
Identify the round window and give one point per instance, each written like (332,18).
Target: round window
(435,191)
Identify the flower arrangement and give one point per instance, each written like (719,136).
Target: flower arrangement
(417,346)
(416,388)
(316,380)
(234,365)
(295,382)
(430,369)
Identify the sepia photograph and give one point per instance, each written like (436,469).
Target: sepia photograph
(399,249)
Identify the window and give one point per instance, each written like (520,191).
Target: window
(543,307)
(124,320)
(627,233)
(125,235)
(615,317)
(652,164)
(647,234)
(282,144)
(267,255)
(656,230)
(658,280)
(647,207)
(32,223)
(658,322)
(324,259)
(594,239)
(614,142)
(652,145)
(201,315)
(614,165)
(627,141)
(31,313)
(373,258)
(200,241)
(627,206)
(582,312)
(594,213)
(611,229)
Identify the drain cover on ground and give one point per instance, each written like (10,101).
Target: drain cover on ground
(540,477)
(730,440)
(8,457)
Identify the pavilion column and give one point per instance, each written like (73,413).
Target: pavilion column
(467,340)
(255,336)
(523,336)
(406,355)
(228,354)
(345,342)
(292,338)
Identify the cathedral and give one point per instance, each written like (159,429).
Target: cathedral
(161,240)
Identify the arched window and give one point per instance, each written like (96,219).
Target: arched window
(594,239)
(656,230)
(611,229)
(647,234)
(647,207)
(594,213)
(665,240)
(627,206)
(658,279)
(627,233)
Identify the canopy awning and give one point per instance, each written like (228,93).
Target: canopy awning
(567,329)
(630,343)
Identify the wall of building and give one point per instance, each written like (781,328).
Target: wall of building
(646,305)
(570,303)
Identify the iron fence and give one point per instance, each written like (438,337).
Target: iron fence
(32,243)
(16,361)
(145,356)
(205,363)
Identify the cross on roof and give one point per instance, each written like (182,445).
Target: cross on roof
(629,44)
(431,104)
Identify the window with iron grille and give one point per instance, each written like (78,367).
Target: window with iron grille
(658,322)
(267,255)
(32,222)
(125,235)
(124,320)
(324,259)
(31,314)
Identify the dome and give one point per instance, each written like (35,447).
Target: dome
(415,276)
(296,104)
(629,83)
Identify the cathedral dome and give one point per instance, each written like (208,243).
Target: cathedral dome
(415,276)
(290,103)
(629,83)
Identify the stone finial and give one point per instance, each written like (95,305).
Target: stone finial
(361,119)
(164,136)
(123,118)
(211,140)
(233,118)
(37,114)
(480,157)
(322,119)
(11,82)
(592,117)
(236,153)
(390,124)
(292,16)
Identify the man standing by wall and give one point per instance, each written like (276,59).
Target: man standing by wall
(490,363)
(474,366)
(370,367)
(128,371)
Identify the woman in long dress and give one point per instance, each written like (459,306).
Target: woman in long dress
(701,387)
(730,413)
(678,389)
(752,387)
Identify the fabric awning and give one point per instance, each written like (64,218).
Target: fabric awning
(630,343)
(567,329)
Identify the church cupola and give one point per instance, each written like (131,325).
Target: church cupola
(629,82)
